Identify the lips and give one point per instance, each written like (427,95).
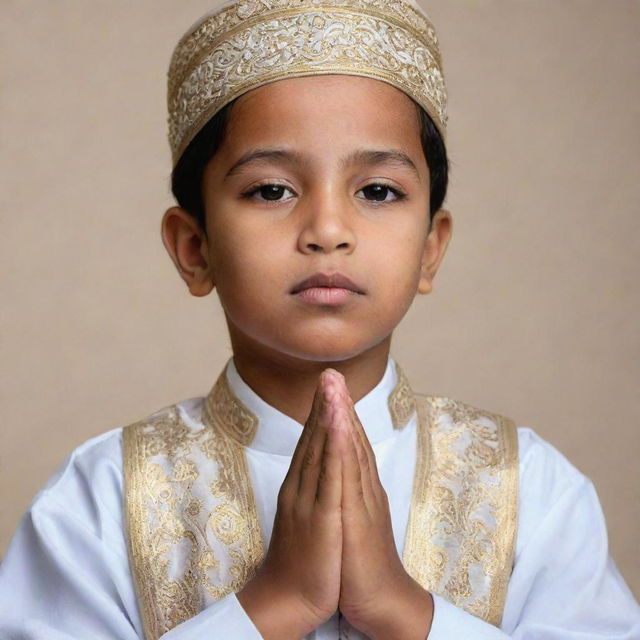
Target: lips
(334,280)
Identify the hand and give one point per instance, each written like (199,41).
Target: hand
(297,587)
(377,595)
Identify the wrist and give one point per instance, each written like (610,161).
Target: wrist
(275,613)
(406,614)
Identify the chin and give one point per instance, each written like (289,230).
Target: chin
(328,348)
(335,342)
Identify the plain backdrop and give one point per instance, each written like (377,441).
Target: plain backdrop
(535,309)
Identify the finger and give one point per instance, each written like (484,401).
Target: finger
(367,473)
(329,493)
(293,474)
(366,455)
(353,499)
(363,446)
(311,460)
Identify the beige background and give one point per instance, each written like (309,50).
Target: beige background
(535,309)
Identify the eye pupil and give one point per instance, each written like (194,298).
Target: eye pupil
(378,191)
(271,191)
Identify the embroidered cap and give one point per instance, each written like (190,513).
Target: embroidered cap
(244,44)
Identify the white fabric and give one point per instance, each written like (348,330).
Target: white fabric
(66,573)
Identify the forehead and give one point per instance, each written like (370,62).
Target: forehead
(323,109)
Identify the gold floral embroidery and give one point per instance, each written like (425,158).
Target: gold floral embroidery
(461,533)
(402,404)
(222,406)
(191,518)
(209,31)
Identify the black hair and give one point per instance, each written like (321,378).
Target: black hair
(186,178)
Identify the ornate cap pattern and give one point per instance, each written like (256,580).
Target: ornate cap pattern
(247,43)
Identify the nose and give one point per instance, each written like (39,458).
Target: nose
(326,226)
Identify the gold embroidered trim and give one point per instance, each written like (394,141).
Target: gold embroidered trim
(251,43)
(402,404)
(208,32)
(461,534)
(191,518)
(136,526)
(233,416)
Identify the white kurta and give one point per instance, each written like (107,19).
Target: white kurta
(66,573)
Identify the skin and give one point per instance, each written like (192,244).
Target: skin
(322,215)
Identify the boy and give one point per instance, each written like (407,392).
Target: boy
(310,189)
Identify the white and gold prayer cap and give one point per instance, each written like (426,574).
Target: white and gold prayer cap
(244,44)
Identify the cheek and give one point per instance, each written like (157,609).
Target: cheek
(236,250)
(400,261)
(246,271)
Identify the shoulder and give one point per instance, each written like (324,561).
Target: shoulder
(80,502)
(537,458)
(488,438)
(450,411)
(551,488)
(91,478)
(545,476)
(96,462)
(167,423)
(544,465)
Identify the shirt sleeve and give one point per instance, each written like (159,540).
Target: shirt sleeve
(564,585)
(224,619)
(66,573)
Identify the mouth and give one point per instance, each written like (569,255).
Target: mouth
(328,281)
(327,290)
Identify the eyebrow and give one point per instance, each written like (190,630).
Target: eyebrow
(367,157)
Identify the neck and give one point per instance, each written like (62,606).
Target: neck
(289,384)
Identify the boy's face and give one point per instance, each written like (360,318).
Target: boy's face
(323,204)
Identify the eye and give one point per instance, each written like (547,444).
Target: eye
(269,192)
(273,192)
(379,192)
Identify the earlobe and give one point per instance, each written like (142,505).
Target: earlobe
(424,285)
(187,246)
(435,246)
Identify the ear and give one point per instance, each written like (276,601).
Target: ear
(187,245)
(435,245)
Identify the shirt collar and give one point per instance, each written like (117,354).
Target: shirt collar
(233,406)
